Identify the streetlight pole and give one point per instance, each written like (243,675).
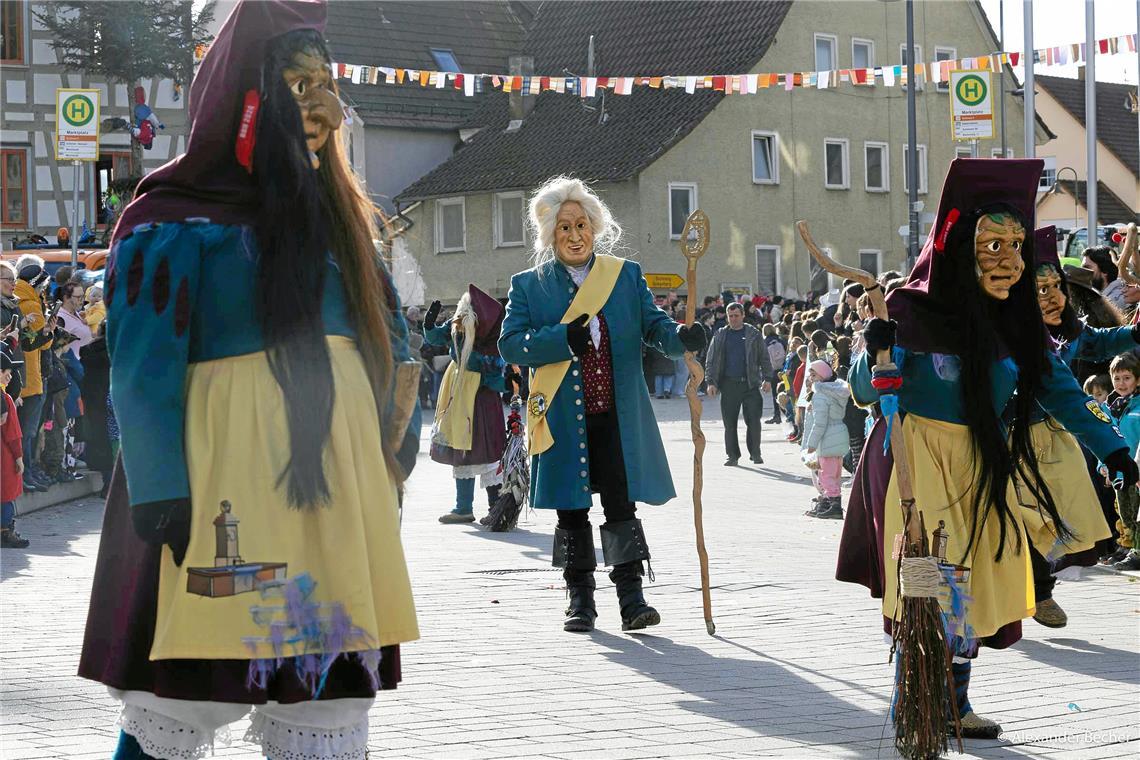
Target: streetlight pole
(912,137)
(1090,120)
(1027,83)
(1001,72)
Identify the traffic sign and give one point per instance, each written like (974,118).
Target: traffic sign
(664,281)
(971,105)
(76,124)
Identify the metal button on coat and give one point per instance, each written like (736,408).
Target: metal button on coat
(577,387)
(582,460)
(578,401)
(582,474)
(579,420)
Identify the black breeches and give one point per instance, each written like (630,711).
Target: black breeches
(603,453)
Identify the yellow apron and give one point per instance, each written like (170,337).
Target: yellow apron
(454,418)
(546,380)
(262,578)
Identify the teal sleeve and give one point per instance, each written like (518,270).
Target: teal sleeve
(491,368)
(1064,400)
(859,378)
(440,335)
(657,328)
(155,273)
(1101,344)
(521,342)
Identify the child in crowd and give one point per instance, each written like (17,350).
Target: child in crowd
(825,438)
(1124,407)
(11,458)
(800,388)
(1099,387)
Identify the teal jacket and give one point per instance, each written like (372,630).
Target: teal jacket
(179,293)
(533,336)
(490,368)
(1097,344)
(931,388)
(1128,420)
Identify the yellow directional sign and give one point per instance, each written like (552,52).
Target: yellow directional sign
(664,281)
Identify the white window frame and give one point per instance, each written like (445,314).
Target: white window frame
(440,204)
(886,188)
(1048,175)
(923,186)
(963,151)
(996,153)
(952,55)
(500,242)
(779,267)
(878,259)
(921,80)
(845,145)
(871,58)
(775,154)
(669,203)
(834,40)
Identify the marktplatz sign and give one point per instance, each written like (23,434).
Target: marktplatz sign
(76,125)
(971,105)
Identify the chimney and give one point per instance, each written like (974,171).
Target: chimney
(520,104)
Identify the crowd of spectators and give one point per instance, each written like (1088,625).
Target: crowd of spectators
(57,420)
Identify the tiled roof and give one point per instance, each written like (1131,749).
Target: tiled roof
(1110,209)
(482,35)
(563,133)
(1115,124)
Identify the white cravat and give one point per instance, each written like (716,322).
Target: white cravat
(578,275)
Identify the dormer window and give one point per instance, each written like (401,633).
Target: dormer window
(445,60)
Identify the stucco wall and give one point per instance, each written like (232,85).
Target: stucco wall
(395,158)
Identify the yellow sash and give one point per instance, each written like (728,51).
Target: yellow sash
(546,380)
(456,408)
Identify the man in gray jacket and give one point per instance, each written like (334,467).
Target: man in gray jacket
(738,367)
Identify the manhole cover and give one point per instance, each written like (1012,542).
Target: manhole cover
(519,570)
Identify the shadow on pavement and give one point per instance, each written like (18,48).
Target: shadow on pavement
(51,532)
(762,696)
(1073,655)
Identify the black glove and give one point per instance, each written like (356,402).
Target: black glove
(879,334)
(693,337)
(513,377)
(432,313)
(578,335)
(164,522)
(1136,332)
(1122,469)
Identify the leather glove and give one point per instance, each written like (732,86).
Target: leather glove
(1122,469)
(165,522)
(879,334)
(693,337)
(578,335)
(514,377)
(432,314)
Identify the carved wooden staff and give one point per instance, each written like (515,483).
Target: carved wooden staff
(694,243)
(923,676)
(1128,256)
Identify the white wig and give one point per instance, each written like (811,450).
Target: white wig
(544,207)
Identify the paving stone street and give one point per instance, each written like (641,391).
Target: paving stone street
(798,666)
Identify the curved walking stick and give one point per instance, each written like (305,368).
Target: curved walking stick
(694,243)
(924,681)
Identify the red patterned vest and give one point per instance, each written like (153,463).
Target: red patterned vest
(598,374)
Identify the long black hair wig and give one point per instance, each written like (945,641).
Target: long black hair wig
(307,216)
(989,329)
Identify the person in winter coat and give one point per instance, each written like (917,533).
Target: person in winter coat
(739,369)
(11,459)
(95,389)
(35,339)
(825,438)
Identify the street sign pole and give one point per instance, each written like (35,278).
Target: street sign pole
(75,215)
(912,138)
(1090,122)
(1027,82)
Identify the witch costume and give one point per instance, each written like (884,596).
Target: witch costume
(469,433)
(216,589)
(946,314)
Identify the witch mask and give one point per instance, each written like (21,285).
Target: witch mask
(1050,295)
(310,81)
(998,241)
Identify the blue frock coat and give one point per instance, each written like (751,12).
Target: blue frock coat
(533,336)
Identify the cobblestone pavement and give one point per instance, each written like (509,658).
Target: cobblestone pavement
(797,668)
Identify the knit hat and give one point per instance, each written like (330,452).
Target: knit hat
(34,275)
(7,361)
(822,369)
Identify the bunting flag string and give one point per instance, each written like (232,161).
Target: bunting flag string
(738,84)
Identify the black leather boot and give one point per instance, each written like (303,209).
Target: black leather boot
(624,547)
(574,553)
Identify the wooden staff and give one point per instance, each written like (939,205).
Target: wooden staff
(1128,255)
(924,678)
(694,243)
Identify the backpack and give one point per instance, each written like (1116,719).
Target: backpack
(776,352)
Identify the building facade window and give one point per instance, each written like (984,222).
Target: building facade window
(509,227)
(445,60)
(921,168)
(835,164)
(765,157)
(871,260)
(917,60)
(963,151)
(12,32)
(996,153)
(14,191)
(877,168)
(1049,175)
(826,46)
(450,225)
(862,54)
(768,275)
(682,202)
(944,54)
